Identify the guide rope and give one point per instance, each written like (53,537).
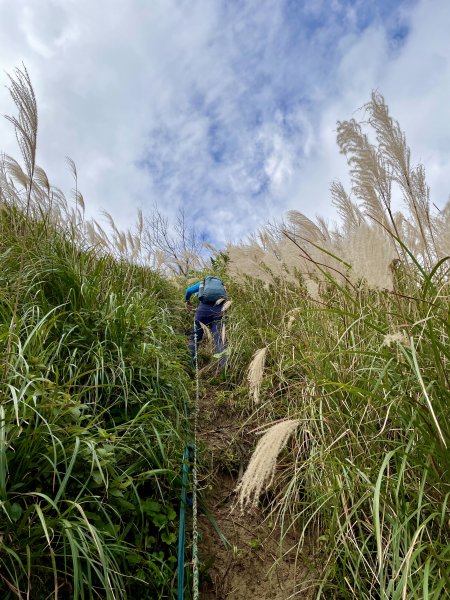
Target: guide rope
(190,458)
(182,526)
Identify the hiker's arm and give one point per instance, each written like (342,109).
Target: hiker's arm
(193,289)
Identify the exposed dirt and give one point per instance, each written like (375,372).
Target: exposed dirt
(252,564)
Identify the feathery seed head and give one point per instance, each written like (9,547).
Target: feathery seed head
(396,338)
(313,288)
(207,333)
(255,373)
(261,469)
(371,252)
(226,305)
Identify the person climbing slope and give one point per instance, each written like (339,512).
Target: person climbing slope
(211,294)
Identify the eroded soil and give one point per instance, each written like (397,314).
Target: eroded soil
(252,564)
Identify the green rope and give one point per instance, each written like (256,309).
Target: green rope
(190,457)
(182,526)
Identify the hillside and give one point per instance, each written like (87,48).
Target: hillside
(322,445)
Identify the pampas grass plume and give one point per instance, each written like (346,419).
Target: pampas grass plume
(261,469)
(255,373)
(399,337)
(226,305)
(207,332)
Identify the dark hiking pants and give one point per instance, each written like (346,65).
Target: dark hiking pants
(210,316)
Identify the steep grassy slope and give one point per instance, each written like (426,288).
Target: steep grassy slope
(368,468)
(93,387)
(354,323)
(94,393)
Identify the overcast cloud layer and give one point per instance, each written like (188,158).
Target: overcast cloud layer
(227,108)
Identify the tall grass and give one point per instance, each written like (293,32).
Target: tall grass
(93,386)
(361,360)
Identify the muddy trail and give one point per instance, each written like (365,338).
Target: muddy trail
(240,554)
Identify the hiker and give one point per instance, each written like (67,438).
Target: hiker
(211,294)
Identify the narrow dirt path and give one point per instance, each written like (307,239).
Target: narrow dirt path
(252,564)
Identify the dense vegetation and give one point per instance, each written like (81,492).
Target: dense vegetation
(93,387)
(356,356)
(351,330)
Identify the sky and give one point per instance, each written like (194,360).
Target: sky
(226,108)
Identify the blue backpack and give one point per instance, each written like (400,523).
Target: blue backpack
(211,290)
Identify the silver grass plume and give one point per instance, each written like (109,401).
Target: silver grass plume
(261,469)
(16,172)
(207,332)
(305,227)
(226,305)
(442,227)
(292,315)
(313,288)
(369,171)
(392,143)
(293,258)
(349,212)
(316,244)
(211,248)
(78,197)
(399,337)
(40,177)
(246,261)
(324,228)
(370,251)
(255,373)
(26,123)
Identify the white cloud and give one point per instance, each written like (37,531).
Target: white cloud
(46,27)
(416,84)
(227,109)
